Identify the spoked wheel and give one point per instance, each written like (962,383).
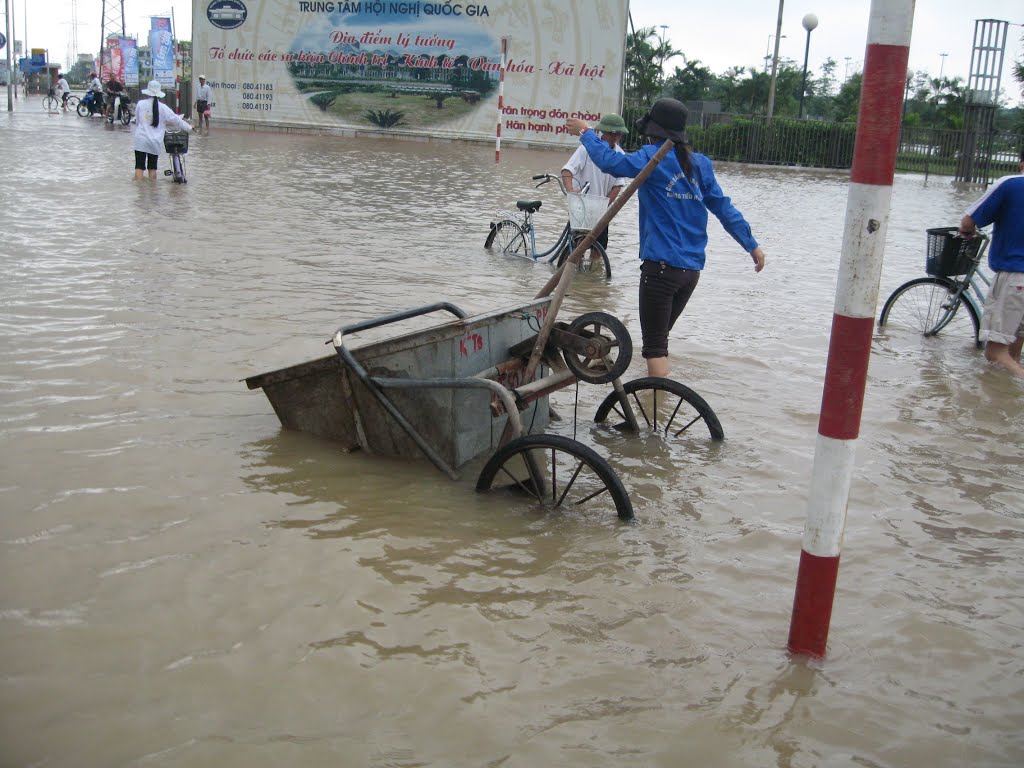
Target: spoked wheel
(926,307)
(506,236)
(592,366)
(51,104)
(126,116)
(664,406)
(179,169)
(73,102)
(556,471)
(593,262)
(83,109)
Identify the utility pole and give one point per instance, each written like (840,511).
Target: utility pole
(775,64)
(111,25)
(942,66)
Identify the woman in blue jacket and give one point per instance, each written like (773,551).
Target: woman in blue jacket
(674,204)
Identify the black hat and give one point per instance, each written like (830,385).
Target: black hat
(665,120)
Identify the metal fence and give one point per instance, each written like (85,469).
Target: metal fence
(818,144)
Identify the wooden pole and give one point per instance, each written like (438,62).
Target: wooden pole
(559,282)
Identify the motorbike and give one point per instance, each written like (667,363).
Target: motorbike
(122,109)
(89,106)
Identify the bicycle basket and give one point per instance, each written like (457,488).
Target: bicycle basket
(585,210)
(176,141)
(948,254)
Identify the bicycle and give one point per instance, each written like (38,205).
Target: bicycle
(176,144)
(951,298)
(51,101)
(517,236)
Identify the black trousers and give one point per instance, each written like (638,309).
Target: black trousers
(664,291)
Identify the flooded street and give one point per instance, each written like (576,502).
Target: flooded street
(184,583)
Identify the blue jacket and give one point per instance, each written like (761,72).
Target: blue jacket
(1003,203)
(673,209)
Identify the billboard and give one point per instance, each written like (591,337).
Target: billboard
(112,61)
(161,44)
(129,60)
(413,67)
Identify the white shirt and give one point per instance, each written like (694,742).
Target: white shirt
(62,86)
(96,85)
(203,93)
(583,170)
(147,138)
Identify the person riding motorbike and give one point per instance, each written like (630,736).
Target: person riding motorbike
(113,89)
(96,92)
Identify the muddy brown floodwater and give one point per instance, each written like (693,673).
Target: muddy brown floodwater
(185,584)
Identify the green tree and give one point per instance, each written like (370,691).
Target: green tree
(323,101)
(692,82)
(385,118)
(643,75)
(847,102)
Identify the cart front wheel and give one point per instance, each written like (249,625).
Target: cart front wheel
(599,368)
(555,471)
(665,406)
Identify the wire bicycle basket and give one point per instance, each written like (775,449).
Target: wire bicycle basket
(949,254)
(585,210)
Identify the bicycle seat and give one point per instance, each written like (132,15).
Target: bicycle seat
(528,206)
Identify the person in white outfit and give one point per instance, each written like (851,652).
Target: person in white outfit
(64,89)
(152,119)
(203,99)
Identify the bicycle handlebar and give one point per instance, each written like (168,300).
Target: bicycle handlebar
(544,178)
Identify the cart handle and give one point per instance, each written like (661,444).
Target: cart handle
(339,335)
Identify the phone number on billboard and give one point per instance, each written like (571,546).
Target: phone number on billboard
(258,93)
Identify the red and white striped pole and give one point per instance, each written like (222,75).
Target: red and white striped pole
(501,100)
(853,321)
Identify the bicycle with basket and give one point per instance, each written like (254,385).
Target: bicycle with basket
(176,144)
(950,300)
(515,233)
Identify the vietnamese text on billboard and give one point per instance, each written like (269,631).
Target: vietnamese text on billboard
(413,67)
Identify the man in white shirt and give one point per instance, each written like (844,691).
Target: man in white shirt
(64,89)
(96,88)
(581,169)
(203,99)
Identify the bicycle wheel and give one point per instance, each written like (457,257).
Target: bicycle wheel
(508,237)
(178,166)
(125,116)
(927,306)
(593,262)
(671,409)
(556,471)
(73,102)
(82,109)
(51,104)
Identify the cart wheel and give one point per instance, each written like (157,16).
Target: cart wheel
(598,369)
(555,471)
(671,408)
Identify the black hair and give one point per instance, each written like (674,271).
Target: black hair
(156,112)
(683,156)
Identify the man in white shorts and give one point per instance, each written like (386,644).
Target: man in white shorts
(1003,318)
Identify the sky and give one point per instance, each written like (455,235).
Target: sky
(723,34)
